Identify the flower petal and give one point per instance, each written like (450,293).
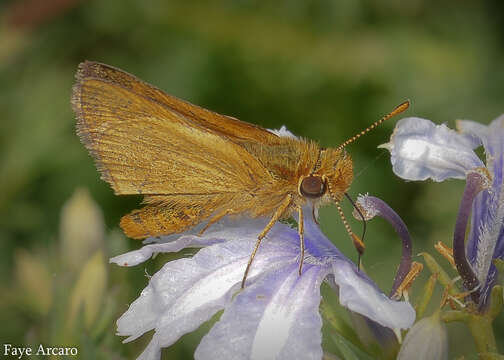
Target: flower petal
(492,138)
(151,352)
(421,150)
(187,292)
(283,132)
(486,238)
(474,129)
(426,340)
(275,318)
(226,229)
(136,257)
(358,293)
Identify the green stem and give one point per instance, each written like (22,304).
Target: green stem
(480,325)
(496,302)
(443,278)
(490,356)
(455,315)
(482,332)
(426,295)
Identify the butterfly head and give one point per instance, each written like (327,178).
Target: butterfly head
(330,179)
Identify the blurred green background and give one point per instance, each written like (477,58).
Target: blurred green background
(325,69)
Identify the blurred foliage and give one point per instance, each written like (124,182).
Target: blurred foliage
(325,69)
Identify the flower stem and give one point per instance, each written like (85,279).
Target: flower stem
(443,277)
(426,295)
(496,302)
(482,332)
(481,329)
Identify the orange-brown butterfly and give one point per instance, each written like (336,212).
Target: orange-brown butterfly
(194,165)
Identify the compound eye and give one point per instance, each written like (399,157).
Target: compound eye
(312,186)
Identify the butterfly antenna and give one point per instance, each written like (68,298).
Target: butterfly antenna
(359,245)
(364,223)
(399,109)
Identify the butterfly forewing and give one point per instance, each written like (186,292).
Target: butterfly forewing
(209,120)
(142,147)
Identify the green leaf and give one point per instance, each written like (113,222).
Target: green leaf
(347,349)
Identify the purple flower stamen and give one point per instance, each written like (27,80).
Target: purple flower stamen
(374,206)
(475,183)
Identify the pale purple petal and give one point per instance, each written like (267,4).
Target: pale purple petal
(275,318)
(283,132)
(421,150)
(187,292)
(491,136)
(499,248)
(495,148)
(359,294)
(486,238)
(474,129)
(357,291)
(151,352)
(225,230)
(489,234)
(136,257)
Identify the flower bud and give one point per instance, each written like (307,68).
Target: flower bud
(427,340)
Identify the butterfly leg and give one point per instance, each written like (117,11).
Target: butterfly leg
(314,217)
(301,237)
(214,219)
(276,216)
